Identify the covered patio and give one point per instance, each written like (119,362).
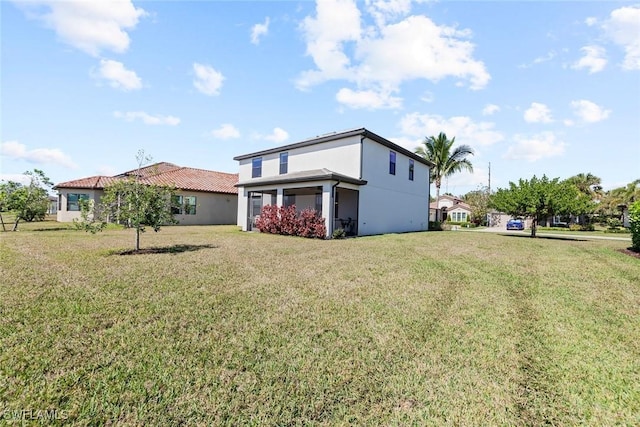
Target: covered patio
(334,196)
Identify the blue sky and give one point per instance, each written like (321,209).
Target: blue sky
(534,87)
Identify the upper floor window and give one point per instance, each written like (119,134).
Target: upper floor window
(392,162)
(284,163)
(74,199)
(256,167)
(411,168)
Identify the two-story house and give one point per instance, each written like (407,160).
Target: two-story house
(359,181)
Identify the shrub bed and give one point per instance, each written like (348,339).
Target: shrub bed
(287,221)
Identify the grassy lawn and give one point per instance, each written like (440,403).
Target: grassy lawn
(232,328)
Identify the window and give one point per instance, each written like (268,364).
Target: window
(319,203)
(59,202)
(256,167)
(176,205)
(190,205)
(336,203)
(73,201)
(392,162)
(183,205)
(284,163)
(411,168)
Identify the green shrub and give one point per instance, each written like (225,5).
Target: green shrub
(339,233)
(634,222)
(435,226)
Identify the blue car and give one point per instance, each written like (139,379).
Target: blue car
(515,224)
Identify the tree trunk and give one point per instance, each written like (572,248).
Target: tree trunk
(15,224)
(2,221)
(534,226)
(438,211)
(137,238)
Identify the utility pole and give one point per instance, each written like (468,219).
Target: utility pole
(489,177)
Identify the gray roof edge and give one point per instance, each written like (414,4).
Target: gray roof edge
(338,135)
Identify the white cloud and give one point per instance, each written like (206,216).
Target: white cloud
(90,26)
(594,59)
(259,30)
(208,81)
(106,170)
(589,112)
(147,119)
(380,58)
(15,177)
(117,75)
(226,131)
(535,147)
(538,113)
(490,109)
(623,27)
(368,99)
(591,21)
(15,150)
(465,130)
(278,135)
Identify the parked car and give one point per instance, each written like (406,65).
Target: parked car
(515,224)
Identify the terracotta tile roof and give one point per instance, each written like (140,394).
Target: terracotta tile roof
(198,180)
(154,169)
(95,182)
(182,178)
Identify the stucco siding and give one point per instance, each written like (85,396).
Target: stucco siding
(63,215)
(392,203)
(341,156)
(211,209)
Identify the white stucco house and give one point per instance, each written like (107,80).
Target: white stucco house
(449,208)
(206,197)
(359,181)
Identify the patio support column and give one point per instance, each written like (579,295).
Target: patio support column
(327,207)
(279,196)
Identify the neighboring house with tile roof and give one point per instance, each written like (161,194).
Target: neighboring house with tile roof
(358,181)
(449,208)
(207,197)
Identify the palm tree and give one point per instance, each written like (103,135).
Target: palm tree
(446,161)
(588,184)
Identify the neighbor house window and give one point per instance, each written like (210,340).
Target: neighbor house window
(190,205)
(73,201)
(59,202)
(183,205)
(284,163)
(392,162)
(411,168)
(319,203)
(256,167)
(176,205)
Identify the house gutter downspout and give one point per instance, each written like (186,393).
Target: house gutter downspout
(361,153)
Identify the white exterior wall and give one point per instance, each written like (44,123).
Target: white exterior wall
(211,209)
(392,203)
(68,216)
(341,156)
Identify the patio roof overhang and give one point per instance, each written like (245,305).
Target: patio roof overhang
(302,176)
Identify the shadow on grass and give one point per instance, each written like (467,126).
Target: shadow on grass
(175,249)
(528,236)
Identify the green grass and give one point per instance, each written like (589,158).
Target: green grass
(220,327)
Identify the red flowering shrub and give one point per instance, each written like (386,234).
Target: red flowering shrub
(285,220)
(311,224)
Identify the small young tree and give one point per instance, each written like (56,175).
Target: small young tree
(133,202)
(538,199)
(478,200)
(27,202)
